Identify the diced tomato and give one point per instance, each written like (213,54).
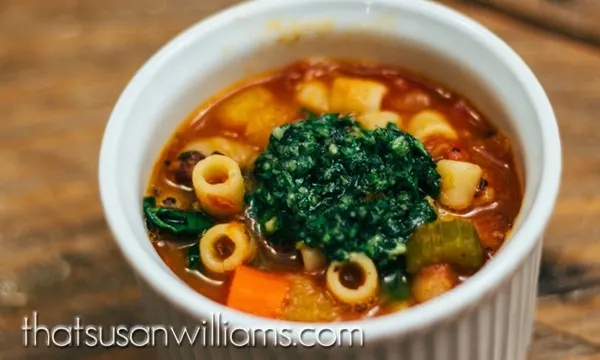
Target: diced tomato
(442,148)
(492,229)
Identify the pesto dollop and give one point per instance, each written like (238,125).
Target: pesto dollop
(327,183)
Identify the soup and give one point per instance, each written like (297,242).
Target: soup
(331,190)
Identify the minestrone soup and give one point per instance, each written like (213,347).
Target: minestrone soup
(331,190)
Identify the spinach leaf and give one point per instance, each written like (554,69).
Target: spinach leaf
(193,257)
(396,286)
(329,184)
(174,221)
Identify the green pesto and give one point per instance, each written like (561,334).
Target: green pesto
(329,184)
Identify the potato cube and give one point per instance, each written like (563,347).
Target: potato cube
(356,95)
(237,111)
(313,95)
(378,119)
(433,281)
(459,183)
(264,121)
(309,302)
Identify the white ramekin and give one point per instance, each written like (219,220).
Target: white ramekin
(487,318)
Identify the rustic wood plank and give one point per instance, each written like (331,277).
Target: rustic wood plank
(577,314)
(577,18)
(62,72)
(571,251)
(550,344)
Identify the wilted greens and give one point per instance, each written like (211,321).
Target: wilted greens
(329,184)
(174,221)
(193,257)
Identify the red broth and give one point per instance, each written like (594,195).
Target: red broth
(493,210)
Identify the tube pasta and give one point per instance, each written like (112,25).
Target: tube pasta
(379,119)
(313,95)
(428,123)
(365,292)
(356,95)
(313,259)
(243,154)
(459,182)
(224,247)
(175,198)
(219,185)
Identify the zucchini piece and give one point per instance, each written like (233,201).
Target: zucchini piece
(455,242)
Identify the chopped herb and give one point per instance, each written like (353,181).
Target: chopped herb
(174,221)
(329,184)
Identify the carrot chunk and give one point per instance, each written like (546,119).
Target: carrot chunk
(257,292)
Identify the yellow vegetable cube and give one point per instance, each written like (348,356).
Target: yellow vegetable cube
(433,281)
(240,109)
(356,95)
(309,302)
(313,95)
(264,121)
(379,119)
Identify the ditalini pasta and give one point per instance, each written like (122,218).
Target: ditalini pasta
(241,152)
(459,182)
(430,123)
(354,281)
(331,190)
(219,185)
(313,259)
(224,247)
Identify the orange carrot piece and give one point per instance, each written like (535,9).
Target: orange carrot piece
(257,292)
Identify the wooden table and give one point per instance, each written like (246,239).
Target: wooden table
(63,64)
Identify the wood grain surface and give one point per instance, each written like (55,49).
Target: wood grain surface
(63,64)
(577,18)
